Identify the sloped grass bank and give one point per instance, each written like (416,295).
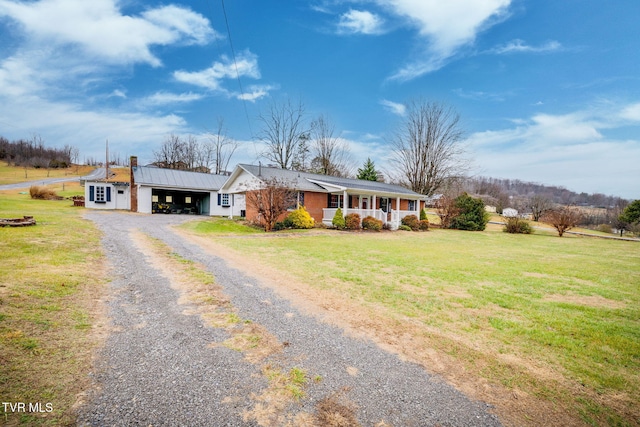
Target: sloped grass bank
(555,320)
(49,286)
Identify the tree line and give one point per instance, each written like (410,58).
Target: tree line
(33,153)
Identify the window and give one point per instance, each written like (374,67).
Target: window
(384,204)
(412,205)
(154,198)
(335,201)
(300,198)
(224,200)
(99,194)
(187,200)
(168,199)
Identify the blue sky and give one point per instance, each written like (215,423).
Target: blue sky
(548,91)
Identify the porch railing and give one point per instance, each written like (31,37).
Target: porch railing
(329,213)
(393,218)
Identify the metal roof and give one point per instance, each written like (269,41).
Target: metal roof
(304,181)
(159,177)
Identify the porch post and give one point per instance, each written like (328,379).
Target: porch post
(345,204)
(418,208)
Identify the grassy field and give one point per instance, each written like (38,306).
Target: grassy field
(12,174)
(556,320)
(50,279)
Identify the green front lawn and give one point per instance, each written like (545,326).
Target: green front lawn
(570,305)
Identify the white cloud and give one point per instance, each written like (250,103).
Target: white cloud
(100,30)
(519,46)
(572,150)
(211,78)
(360,22)
(63,123)
(446,25)
(164,98)
(117,93)
(394,107)
(255,92)
(631,112)
(479,95)
(246,64)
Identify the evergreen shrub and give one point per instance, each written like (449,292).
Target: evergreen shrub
(338,220)
(300,218)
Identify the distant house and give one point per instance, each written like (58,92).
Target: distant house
(322,195)
(509,213)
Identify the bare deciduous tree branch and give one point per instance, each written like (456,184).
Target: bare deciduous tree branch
(428,148)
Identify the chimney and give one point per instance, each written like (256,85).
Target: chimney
(133,165)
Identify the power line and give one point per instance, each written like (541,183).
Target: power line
(235,64)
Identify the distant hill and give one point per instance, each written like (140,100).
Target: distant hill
(512,192)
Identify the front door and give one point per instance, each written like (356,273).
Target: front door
(364,204)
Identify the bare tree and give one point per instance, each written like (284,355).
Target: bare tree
(219,149)
(283,127)
(191,152)
(330,153)
(447,210)
(428,148)
(270,201)
(539,205)
(171,153)
(563,218)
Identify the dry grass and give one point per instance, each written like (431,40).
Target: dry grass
(43,193)
(51,283)
(336,410)
(13,174)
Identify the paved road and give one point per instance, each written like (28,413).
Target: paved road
(98,173)
(161,366)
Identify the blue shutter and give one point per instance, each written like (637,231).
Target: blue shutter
(108,194)
(219,199)
(91,193)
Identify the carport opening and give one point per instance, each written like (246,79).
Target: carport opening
(179,202)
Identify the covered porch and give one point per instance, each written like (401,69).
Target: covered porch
(389,210)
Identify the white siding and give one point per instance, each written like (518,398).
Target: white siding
(112,200)
(144,199)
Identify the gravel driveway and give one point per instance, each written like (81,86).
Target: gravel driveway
(159,367)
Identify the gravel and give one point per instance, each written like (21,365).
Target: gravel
(158,367)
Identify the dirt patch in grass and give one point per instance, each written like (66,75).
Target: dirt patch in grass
(336,410)
(586,300)
(464,364)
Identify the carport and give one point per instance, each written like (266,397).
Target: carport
(171,191)
(179,202)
